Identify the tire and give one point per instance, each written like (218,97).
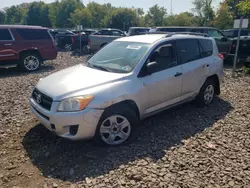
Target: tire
(206,94)
(30,62)
(68,47)
(108,132)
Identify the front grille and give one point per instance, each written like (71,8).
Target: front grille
(42,99)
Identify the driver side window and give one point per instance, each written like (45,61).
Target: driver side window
(164,56)
(215,34)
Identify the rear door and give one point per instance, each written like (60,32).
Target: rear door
(6,45)
(189,55)
(38,39)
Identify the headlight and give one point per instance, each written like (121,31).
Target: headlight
(75,103)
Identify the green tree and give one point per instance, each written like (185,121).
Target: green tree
(224,18)
(81,16)
(204,11)
(233,8)
(244,8)
(155,16)
(123,18)
(2,17)
(99,13)
(184,19)
(53,12)
(65,9)
(38,14)
(14,15)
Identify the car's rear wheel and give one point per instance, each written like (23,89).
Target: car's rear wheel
(30,62)
(68,47)
(116,126)
(206,94)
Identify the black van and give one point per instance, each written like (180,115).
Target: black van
(223,42)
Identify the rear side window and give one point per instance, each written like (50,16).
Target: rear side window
(105,32)
(34,34)
(196,30)
(188,50)
(206,47)
(5,34)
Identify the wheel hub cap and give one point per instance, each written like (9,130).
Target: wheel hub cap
(209,94)
(115,130)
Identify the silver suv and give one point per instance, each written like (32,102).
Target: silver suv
(126,81)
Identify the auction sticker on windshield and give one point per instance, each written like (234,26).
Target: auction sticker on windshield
(133,47)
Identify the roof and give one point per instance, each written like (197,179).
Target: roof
(185,27)
(152,38)
(22,26)
(140,28)
(142,38)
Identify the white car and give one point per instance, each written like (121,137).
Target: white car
(128,80)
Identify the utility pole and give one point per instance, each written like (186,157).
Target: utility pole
(237,46)
(171,7)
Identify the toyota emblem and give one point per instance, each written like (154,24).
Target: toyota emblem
(39,98)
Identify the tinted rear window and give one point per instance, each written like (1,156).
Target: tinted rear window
(5,34)
(207,47)
(188,50)
(34,34)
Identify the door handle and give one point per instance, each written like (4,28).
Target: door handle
(178,74)
(206,65)
(7,44)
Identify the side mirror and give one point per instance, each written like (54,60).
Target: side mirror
(151,67)
(224,39)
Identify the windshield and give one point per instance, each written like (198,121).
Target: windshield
(120,57)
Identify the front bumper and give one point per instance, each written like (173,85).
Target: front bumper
(61,123)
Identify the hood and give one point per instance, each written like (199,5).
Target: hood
(74,79)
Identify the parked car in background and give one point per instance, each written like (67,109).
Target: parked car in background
(102,37)
(233,33)
(244,48)
(25,46)
(128,80)
(55,32)
(138,31)
(223,43)
(64,41)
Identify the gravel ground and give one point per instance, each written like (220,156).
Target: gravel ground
(182,147)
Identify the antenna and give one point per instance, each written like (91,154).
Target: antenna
(171,7)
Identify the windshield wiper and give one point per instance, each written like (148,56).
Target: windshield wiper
(99,67)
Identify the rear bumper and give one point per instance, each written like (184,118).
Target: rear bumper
(84,122)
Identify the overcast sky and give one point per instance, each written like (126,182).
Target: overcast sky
(178,5)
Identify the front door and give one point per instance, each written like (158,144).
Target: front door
(223,43)
(6,43)
(164,83)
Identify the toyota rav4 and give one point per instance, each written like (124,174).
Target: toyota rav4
(128,80)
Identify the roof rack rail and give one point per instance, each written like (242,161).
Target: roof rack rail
(187,33)
(170,34)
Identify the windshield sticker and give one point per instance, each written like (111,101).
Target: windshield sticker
(133,47)
(126,68)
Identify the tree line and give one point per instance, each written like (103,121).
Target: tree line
(70,13)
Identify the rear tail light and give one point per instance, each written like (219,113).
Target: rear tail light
(73,40)
(221,56)
(230,47)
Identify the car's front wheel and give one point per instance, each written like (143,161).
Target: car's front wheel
(116,126)
(206,94)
